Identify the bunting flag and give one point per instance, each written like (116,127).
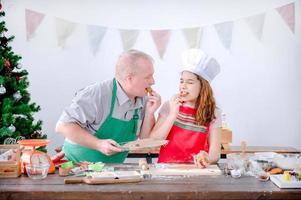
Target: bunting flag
(128,38)
(95,36)
(33,20)
(287,12)
(161,38)
(193,37)
(224,31)
(64,29)
(256,24)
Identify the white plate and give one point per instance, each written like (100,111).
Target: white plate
(116,174)
(278,180)
(102,175)
(127,174)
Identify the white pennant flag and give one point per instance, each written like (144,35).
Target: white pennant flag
(161,38)
(256,23)
(33,20)
(193,37)
(287,12)
(128,38)
(64,29)
(95,36)
(224,31)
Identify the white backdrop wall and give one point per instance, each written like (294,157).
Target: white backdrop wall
(258,87)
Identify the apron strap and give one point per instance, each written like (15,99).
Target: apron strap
(113,97)
(135,119)
(135,116)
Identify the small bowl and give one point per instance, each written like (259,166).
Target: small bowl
(263,176)
(236,173)
(37,171)
(64,171)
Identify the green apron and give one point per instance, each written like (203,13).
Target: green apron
(112,128)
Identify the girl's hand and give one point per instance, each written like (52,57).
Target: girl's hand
(174,105)
(201,160)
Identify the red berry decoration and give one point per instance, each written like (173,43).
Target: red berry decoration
(18,78)
(7,63)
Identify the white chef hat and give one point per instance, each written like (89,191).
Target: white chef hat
(198,62)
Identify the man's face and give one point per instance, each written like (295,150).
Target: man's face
(141,79)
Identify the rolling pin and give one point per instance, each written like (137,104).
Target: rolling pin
(143,164)
(243,148)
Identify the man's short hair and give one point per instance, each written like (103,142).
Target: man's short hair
(127,63)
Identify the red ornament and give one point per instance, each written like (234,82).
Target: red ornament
(18,78)
(0,6)
(7,63)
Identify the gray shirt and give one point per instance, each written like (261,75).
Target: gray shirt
(91,106)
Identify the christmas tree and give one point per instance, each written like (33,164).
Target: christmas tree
(16,117)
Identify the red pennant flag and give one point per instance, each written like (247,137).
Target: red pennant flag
(161,38)
(287,12)
(32,19)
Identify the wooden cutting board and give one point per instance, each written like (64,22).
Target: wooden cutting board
(98,181)
(183,169)
(107,178)
(144,144)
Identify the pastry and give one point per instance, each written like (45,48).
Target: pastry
(183,94)
(149,90)
(143,164)
(276,171)
(201,160)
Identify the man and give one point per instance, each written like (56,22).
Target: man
(104,115)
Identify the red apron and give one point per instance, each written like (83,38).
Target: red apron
(186,139)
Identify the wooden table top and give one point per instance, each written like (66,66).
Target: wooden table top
(255,149)
(196,187)
(233,149)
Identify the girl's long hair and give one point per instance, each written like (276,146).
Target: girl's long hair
(205,103)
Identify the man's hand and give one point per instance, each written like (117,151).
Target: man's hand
(109,147)
(201,160)
(153,103)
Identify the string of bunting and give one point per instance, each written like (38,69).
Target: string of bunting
(193,35)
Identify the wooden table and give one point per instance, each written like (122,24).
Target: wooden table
(153,153)
(198,187)
(256,149)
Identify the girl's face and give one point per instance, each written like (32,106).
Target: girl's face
(190,87)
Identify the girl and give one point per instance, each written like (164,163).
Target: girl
(190,120)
